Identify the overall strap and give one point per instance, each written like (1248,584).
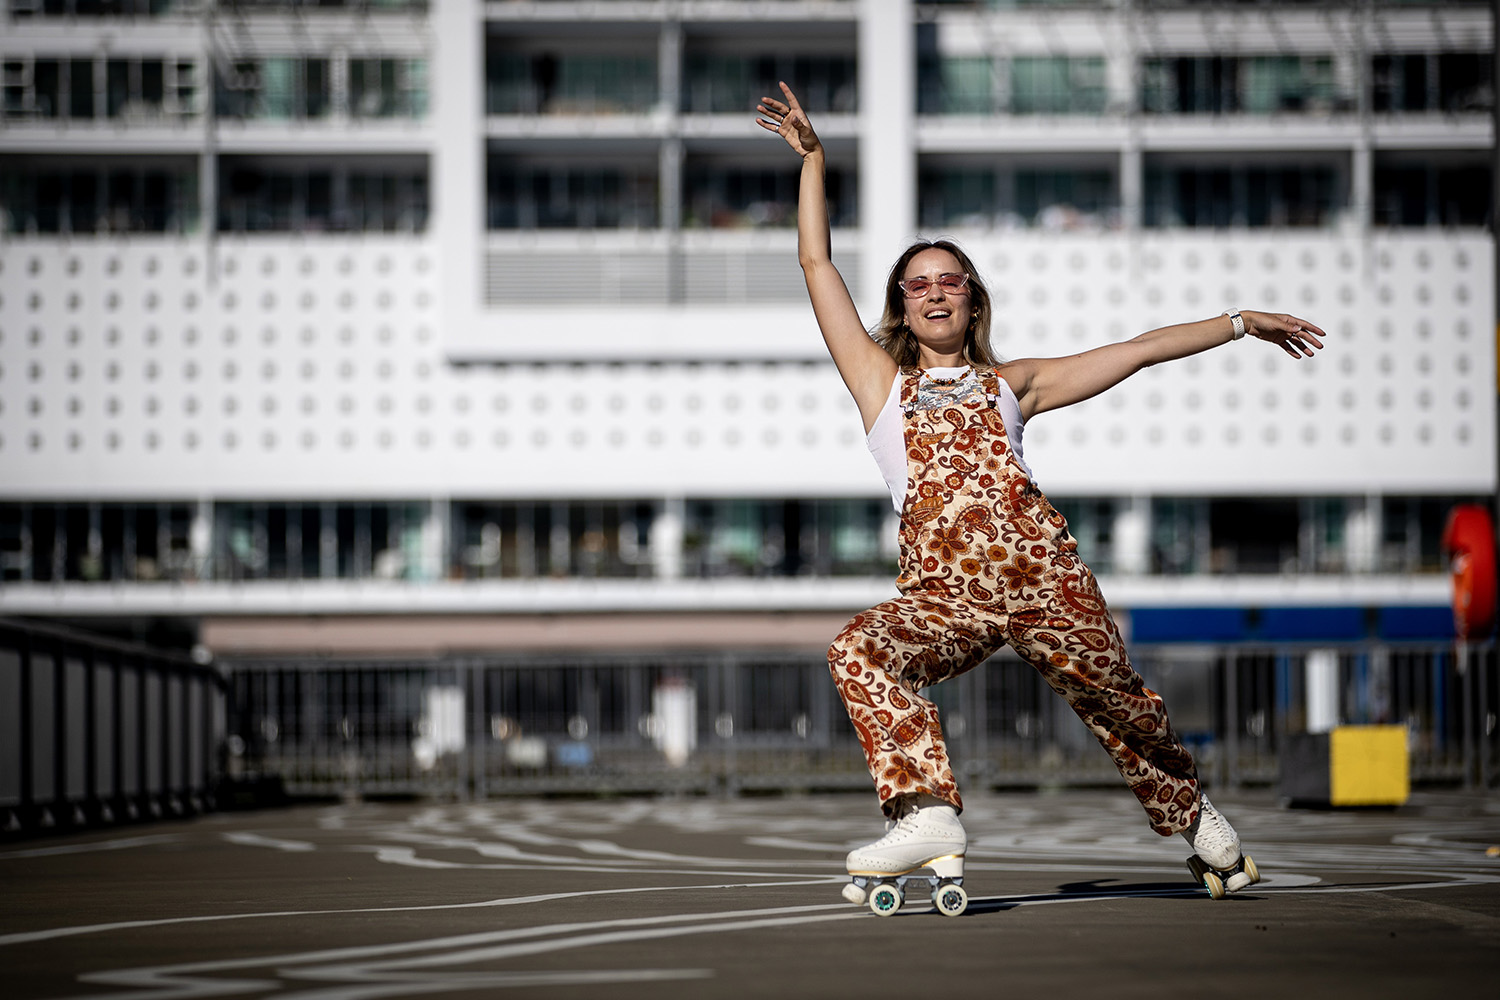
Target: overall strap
(991,382)
(911,379)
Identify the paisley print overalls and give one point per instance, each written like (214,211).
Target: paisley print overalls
(986,561)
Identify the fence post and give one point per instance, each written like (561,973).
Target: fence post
(60,812)
(1229,755)
(462,682)
(1482,669)
(1466,708)
(90,735)
(478,732)
(28,734)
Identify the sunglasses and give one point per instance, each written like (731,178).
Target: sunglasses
(951,284)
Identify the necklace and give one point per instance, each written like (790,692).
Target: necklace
(947,381)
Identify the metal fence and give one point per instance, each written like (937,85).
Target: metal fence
(96,731)
(490,726)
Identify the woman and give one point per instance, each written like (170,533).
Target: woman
(985,559)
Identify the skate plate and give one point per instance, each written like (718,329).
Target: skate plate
(885,894)
(1220,881)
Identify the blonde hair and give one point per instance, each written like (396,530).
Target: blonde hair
(896,337)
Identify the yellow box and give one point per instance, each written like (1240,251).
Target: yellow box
(1368,766)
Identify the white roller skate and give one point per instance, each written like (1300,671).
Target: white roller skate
(925,833)
(1217,861)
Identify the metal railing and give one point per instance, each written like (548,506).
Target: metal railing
(97,731)
(727,723)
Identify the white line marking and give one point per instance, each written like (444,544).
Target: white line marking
(259,840)
(27,937)
(122,844)
(370,980)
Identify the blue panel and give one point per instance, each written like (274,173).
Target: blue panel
(1319,624)
(1416,623)
(1187,624)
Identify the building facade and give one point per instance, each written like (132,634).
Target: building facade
(484,319)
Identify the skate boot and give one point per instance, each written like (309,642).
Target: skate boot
(925,833)
(1217,861)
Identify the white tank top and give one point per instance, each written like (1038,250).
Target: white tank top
(886,439)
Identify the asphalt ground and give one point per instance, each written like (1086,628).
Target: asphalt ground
(1070,893)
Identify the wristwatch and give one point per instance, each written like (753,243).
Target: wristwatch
(1237,321)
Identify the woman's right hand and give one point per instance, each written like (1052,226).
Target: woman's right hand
(788,121)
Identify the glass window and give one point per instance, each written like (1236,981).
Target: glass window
(553,83)
(388,88)
(48,76)
(1437,188)
(720,196)
(280,88)
(145,195)
(966,86)
(81,88)
(1057,85)
(716,83)
(1012,195)
(1254,196)
(1452,82)
(275,195)
(1250,85)
(528,195)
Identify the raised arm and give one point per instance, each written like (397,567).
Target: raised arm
(1043,384)
(867,370)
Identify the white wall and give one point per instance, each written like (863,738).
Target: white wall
(315,368)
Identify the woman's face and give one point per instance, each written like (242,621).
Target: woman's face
(938,316)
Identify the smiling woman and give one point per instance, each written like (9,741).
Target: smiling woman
(986,560)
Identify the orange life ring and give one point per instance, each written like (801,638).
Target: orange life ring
(1469,539)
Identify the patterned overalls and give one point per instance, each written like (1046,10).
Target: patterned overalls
(985,561)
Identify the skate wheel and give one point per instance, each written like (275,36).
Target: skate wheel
(1251,870)
(855,893)
(1214,884)
(951,900)
(885,900)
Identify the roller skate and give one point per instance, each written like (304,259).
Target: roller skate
(1217,861)
(925,833)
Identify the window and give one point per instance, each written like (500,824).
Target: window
(1020,195)
(290,541)
(558,83)
(1241,85)
(578,538)
(388,88)
(146,88)
(956,86)
(566,195)
(100,8)
(1253,196)
(1057,85)
(719,195)
(105,195)
(279,88)
(346,194)
(788,538)
(96,542)
(1435,188)
(717,83)
(1450,82)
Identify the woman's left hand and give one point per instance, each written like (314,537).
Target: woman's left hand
(1297,337)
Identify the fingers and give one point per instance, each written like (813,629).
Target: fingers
(791,97)
(775,116)
(1299,338)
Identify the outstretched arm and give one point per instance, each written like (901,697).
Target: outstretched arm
(1043,384)
(867,370)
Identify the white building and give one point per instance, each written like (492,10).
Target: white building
(484,319)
